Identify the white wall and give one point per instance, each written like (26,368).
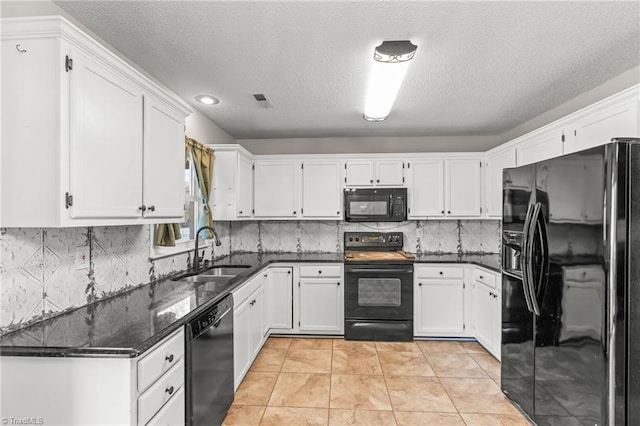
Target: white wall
(348,145)
(617,84)
(206,131)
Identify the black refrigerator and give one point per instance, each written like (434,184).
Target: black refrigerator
(571,287)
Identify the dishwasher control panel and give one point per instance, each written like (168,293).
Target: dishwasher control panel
(211,316)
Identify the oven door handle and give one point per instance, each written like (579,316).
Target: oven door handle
(380,270)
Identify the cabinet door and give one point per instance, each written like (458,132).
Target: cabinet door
(426,188)
(463,187)
(223,189)
(539,147)
(257,323)
(497,162)
(321,302)
(105,142)
(484,314)
(599,127)
(245,186)
(389,172)
(275,189)
(279,295)
(439,307)
(321,189)
(359,173)
(241,341)
(163,169)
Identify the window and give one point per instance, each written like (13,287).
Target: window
(192,207)
(192,201)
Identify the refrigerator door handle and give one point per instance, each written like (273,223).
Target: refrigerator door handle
(525,256)
(537,226)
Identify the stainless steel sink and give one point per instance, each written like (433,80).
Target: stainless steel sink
(225,271)
(208,278)
(215,274)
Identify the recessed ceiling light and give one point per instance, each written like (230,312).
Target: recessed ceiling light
(207,99)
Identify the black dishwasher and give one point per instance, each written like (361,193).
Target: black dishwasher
(209,370)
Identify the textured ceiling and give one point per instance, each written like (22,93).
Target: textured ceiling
(481,68)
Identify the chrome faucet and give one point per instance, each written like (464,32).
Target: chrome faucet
(216,240)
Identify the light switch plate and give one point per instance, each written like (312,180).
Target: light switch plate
(82,257)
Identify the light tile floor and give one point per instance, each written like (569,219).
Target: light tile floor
(306,381)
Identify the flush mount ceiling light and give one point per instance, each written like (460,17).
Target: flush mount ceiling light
(207,99)
(390,63)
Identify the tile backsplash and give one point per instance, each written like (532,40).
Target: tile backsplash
(461,236)
(38,276)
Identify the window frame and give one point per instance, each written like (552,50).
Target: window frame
(182,246)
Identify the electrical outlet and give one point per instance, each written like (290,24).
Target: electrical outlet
(297,232)
(419,232)
(82,257)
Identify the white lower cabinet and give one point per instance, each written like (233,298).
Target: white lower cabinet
(173,412)
(439,301)
(279,298)
(249,321)
(98,391)
(321,299)
(458,301)
(321,305)
(487,306)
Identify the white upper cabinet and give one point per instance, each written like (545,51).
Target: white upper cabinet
(497,161)
(532,148)
(321,189)
(244,191)
(276,188)
(359,173)
(426,188)
(383,172)
(602,124)
(462,190)
(105,142)
(389,172)
(232,188)
(163,165)
(444,188)
(89,159)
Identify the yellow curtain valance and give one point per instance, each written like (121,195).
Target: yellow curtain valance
(194,144)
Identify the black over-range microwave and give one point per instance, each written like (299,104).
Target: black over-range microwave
(375,205)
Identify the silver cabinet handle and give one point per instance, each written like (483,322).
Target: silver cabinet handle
(169,358)
(152,208)
(169,390)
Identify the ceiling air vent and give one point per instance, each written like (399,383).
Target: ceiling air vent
(262,100)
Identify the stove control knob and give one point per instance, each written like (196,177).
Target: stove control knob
(350,238)
(357,238)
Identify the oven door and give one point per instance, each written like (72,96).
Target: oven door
(380,292)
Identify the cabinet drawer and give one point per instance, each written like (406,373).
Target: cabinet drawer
(172,413)
(439,272)
(160,360)
(320,271)
(485,278)
(160,392)
(241,293)
(583,273)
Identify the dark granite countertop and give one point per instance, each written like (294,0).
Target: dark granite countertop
(129,323)
(490,261)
